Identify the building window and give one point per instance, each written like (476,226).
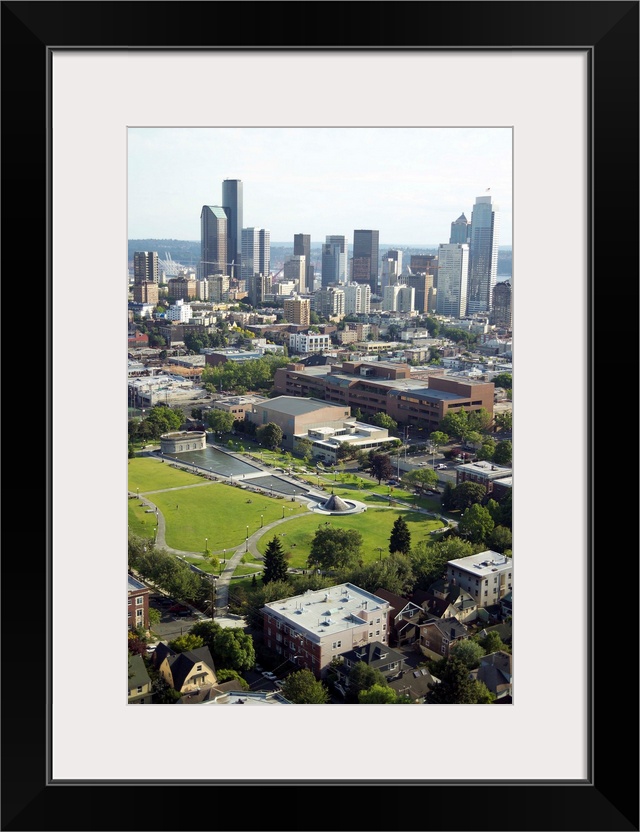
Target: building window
(370,635)
(198,667)
(485,593)
(377,632)
(139,601)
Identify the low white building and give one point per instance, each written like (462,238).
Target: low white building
(487,576)
(304,343)
(326,441)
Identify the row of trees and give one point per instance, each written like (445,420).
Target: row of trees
(160,419)
(241,376)
(165,570)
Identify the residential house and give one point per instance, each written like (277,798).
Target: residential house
(377,655)
(495,672)
(437,636)
(445,600)
(185,672)
(140,691)
(414,683)
(404,617)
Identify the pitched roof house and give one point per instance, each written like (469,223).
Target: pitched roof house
(185,672)
(139,690)
(495,672)
(404,617)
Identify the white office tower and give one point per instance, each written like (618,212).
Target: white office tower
(256,252)
(357,299)
(453,277)
(391,268)
(483,255)
(398,298)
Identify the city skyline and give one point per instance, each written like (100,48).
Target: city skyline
(408,183)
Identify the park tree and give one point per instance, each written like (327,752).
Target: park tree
(504,380)
(207,631)
(429,559)
(305,449)
(455,424)
(476,524)
(383,420)
(378,695)
(438,438)
(162,419)
(448,497)
(302,688)
(394,573)
(468,493)
(503,421)
(381,466)
(456,687)
(185,642)
(220,421)
(400,539)
(500,539)
(233,648)
(424,479)
(362,677)
(506,510)
(486,449)
(258,596)
(226,674)
(492,643)
(469,651)
(275,563)
(270,435)
(333,548)
(494,509)
(480,420)
(503,452)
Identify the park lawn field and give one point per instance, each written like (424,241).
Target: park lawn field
(218,512)
(150,474)
(141,524)
(374,525)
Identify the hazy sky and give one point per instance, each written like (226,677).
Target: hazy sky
(409,183)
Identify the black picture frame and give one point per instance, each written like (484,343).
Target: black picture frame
(608,800)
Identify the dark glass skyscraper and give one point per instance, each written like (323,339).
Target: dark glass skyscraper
(366,244)
(483,255)
(232,204)
(145,266)
(302,246)
(213,241)
(460,230)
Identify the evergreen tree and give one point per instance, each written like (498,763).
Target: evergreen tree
(400,540)
(275,564)
(456,687)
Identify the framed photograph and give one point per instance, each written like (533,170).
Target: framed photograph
(563,77)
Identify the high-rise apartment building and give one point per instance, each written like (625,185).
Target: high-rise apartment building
(297,310)
(422,283)
(232,204)
(366,244)
(256,252)
(391,268)
(145,267)
(329,302)
(258,285)
(295,269)
(453,276)
(357,299)
(460,230)
(483,255)
(501,311)
(302,248)
(213,241)
(334,260)
(145,292)
(218,288)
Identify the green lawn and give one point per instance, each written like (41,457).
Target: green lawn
(213,511)
(374,525)
(371,493)
(150,474)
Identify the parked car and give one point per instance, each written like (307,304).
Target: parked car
(258,667)
(269,675)
(178,608)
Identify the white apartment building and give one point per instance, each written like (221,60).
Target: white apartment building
(357,298)
(179,311)
(398,298)
(303,343)
(487,576)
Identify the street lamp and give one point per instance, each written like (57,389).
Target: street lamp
(379,552)
(138,493)
(261,520)
(246,541)
(283,512)
(206,544)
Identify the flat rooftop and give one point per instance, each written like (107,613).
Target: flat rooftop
(295,406)
(484,467)
(484,563)
(134,585)
(328,611)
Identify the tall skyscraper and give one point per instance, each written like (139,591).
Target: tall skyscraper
(453,275)
(295,269)
(232,204)
(483,255)
(145,266)
(256,252)
(213,241)
(334,260)
(366,245)
(302,246)
(391,268)
(502,306)
(423,285)
(460,230)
